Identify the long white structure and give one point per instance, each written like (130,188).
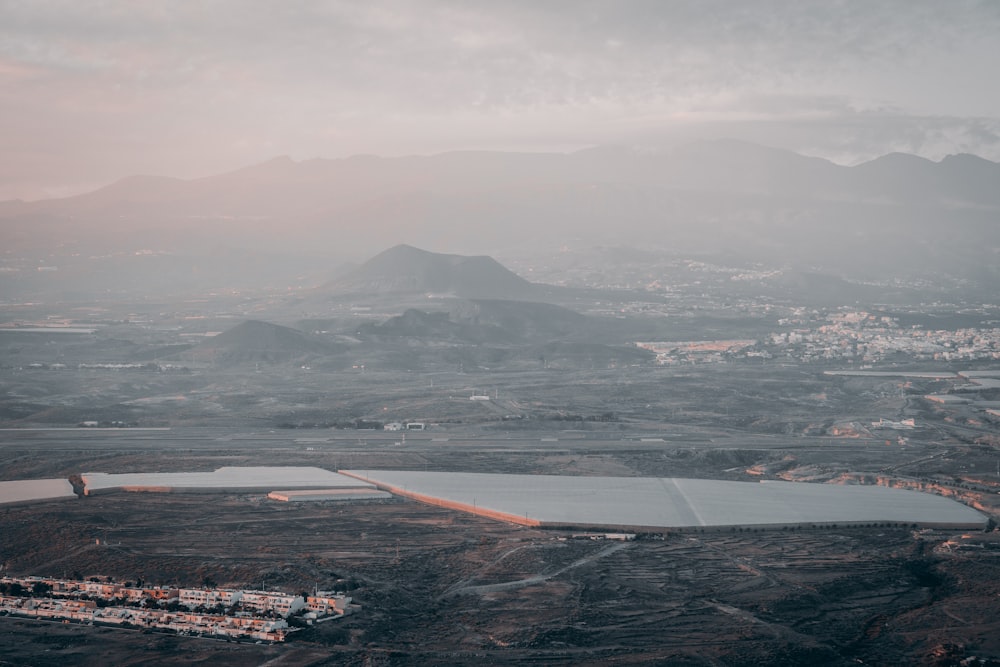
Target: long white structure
(227,479)
(35,490)
(650,503)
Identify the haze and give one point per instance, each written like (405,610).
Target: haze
(94,92)
(513,333)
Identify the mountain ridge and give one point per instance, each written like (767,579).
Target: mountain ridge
(892,217)
(722,150)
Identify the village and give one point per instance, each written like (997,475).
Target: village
(203,612)
(854,337)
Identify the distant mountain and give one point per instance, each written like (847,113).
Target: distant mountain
(405,269)
(894,217)
(254,341)
(415,192)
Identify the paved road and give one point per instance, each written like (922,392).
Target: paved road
(448,439)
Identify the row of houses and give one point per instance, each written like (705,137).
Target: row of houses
(94,589)
(264,602)
(182,622)
(274,603)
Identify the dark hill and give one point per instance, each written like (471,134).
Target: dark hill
(255,342)
(490,321)
(436,327)
(405,269)
(521,319)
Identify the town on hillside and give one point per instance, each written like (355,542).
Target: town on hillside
(205,612)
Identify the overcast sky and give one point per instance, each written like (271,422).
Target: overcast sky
(94,91)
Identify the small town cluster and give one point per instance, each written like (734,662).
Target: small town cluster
(852,337)
(871,338)
(208,612)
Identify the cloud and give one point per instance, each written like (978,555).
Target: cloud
(192,88)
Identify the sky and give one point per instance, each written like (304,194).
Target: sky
(93,91)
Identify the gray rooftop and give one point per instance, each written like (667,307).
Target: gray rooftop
(651,502)
(32,490)
(262,478)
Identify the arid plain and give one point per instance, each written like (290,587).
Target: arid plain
(145,391)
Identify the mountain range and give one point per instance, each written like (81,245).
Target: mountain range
(317,187)
(896,216)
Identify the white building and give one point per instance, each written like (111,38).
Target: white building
(137,594)
(328,604)
(280,603)
(102,590)
(192,597)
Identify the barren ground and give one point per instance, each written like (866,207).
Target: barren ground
(439,587)
(442,587)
